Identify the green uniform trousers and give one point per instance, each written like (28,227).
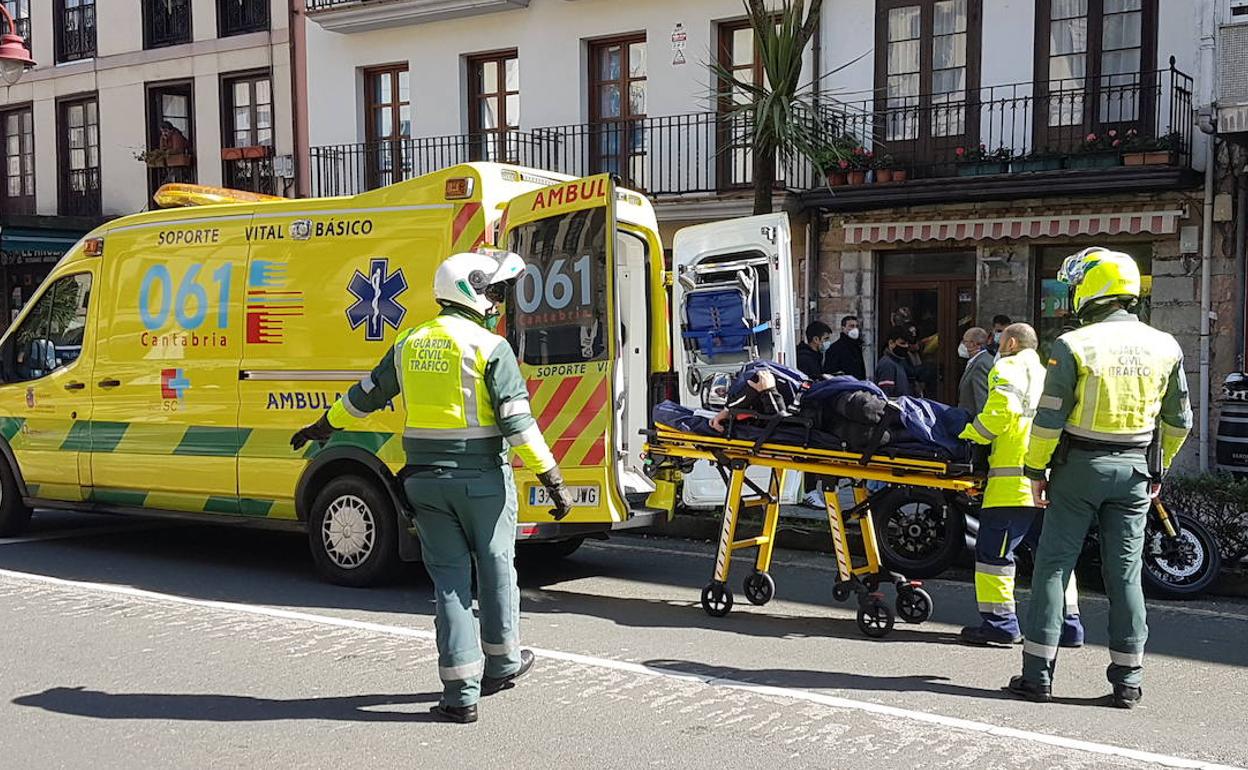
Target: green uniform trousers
(1109,490)
(463,516)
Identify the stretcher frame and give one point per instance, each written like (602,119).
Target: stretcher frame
(734,457)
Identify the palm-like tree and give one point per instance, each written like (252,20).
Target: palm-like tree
(779,111)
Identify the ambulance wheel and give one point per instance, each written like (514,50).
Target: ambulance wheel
(14,514)
(716,600)
(759,588)
(875,619)
(914,605)
(353,532)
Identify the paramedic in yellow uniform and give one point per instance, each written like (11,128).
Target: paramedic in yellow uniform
(465,398)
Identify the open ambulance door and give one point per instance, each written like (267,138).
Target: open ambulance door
(567,323)
(733,302)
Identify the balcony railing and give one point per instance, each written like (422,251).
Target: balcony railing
(23,31)
(238,17)
(1018,129)
(80,192)
(76,38)
(347,169)
(166,22)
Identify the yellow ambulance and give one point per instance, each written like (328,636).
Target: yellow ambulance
(166,360)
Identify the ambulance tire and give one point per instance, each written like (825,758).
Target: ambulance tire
(362,548)
(14,513)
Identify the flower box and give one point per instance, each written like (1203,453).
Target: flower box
(1036,164)
(1152,158)
(983,168)
(246,153)
(1094,160)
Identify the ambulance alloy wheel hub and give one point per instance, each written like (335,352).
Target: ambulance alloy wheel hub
(348,531)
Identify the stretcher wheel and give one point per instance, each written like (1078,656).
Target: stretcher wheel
(875,619)
(840,591)
(716,600)
(914,605)
(759,588)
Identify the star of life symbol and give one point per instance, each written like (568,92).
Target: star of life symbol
(376,303)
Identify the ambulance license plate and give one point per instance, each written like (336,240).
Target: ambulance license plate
(582,496)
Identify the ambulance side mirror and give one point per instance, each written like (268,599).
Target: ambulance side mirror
(41,356)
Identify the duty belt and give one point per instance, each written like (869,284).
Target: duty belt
(1105,447)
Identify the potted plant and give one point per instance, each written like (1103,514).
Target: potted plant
(1098,151)
(1149,150)
(886,169)
(833,160)
(859,165)
(246,153)
(154,157)
(1046,159)
(980,161)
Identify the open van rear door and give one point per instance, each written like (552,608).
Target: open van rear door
(562,322)
(733,301)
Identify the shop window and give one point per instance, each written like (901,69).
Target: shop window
(51,335)
(1054,310)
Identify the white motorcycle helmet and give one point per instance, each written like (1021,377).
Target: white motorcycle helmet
(476,280)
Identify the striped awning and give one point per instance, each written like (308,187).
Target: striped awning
(1047,226)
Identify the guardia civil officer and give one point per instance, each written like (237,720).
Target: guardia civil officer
(1113,387)
(1009,514)
(464,395)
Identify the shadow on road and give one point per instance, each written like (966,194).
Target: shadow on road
(800,679)
(79,701)
(748,621)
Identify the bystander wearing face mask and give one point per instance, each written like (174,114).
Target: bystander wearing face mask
(853,333)
(823,346)
(962,351)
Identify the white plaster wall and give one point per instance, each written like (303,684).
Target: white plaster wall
(550,37)
(120,75)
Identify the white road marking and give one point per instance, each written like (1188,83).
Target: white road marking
(641,670)
(1153,604)
(63,534)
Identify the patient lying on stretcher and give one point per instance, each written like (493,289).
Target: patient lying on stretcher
(779,405)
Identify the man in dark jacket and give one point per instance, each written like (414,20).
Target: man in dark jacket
(891,373)
(845,355)
(810,354)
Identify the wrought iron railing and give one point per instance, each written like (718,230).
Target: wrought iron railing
(347,169)
(1019,130)
(1017,127)
(76,37)
(238,17)
(80,192)
(23,30)
(166,22)
(251,174)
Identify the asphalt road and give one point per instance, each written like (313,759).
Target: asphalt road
(133,643)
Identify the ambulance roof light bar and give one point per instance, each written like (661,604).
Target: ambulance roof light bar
(178,195)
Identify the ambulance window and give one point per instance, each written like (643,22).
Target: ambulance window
(51,336)
(558,311)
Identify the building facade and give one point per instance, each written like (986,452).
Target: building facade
(128,95)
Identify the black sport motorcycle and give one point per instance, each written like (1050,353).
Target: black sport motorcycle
(922,532)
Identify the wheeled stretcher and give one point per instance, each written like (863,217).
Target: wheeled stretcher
(734,457)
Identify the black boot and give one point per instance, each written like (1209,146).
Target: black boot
(461,714)
(491,685)
(1127,697)
(1038,693)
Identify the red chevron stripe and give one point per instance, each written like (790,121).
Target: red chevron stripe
(595,454)
(558,401)
(466,212)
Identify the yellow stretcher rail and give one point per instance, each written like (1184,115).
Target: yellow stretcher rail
(734,457)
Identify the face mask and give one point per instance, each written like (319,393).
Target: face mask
(996,337)
(853,334)
(823,346)
(491,321)
(962,351)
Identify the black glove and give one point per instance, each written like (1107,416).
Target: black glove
(560,495)
(320,430)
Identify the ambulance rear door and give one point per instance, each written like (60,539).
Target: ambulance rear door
(562,322)
(715,266)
